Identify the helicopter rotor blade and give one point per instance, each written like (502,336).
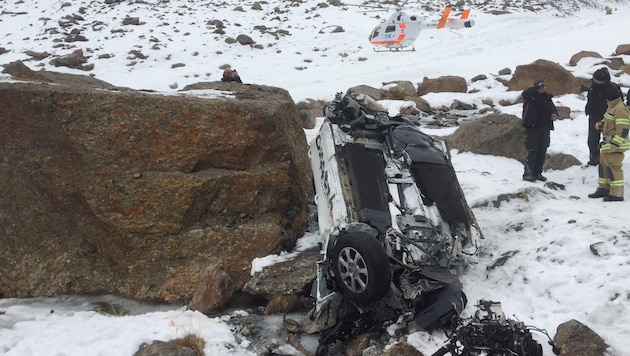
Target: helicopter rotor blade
(380,6)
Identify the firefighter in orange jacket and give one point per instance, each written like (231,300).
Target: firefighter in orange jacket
(614,126)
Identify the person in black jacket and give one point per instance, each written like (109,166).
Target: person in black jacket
(595,109)
(539,113)
(231,75)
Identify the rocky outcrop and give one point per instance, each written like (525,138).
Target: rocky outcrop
(309,110)
(283,284)
(447,83)
(576,339)
(398,90)
(147,196)
(496,134)
(161,348)
(559,80)
(372,92)
(500,135)
(573,61)
(622,49)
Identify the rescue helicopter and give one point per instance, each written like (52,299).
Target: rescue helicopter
(400,30)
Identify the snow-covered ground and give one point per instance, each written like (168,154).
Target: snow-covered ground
(552,278)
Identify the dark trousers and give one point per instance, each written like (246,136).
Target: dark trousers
(537,140)
(594,137)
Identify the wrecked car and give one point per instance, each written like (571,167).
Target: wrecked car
(395,225)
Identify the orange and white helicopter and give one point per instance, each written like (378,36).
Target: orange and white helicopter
(400,31)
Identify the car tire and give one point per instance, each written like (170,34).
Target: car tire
(361,267)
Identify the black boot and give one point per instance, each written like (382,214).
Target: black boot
(529,177)
(599,193)
(612,198)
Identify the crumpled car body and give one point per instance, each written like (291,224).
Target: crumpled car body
(395,224)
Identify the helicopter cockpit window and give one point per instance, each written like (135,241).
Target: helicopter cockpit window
(374,33)
(389,29)
(399,17)
(412,18)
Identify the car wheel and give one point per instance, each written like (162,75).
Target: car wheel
(361,267)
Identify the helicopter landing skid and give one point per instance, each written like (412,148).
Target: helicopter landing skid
(394,49)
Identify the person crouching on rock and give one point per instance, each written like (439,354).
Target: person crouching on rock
(614,126)
(231,75)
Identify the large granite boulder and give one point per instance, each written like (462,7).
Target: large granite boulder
(149,196)
(501,135)
(559,80)
(447,83)
(576,339)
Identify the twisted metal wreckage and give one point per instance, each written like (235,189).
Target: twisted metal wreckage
(396,231)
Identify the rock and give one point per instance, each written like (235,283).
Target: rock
(75,38)
(622,49)
(213,289)
(297,344)
(38,56)
(131,21)
(294,276)
(369,102)
(146,196)
(308,120)
(372,92)
(559,80)
(495,134)
(74,60)
(398,90)
(576,339)
(281,304)
(615,63)
(309,110)
(402,349)
(421,104)
(135,54)
(564,112)
(458,105)
(332,29)
(479,77)
(500,135)
(449,83)
(598,248)
(18,70)
(357,345)
(245,40)
(560,161)
(409,111)
(583,54)
(161,348)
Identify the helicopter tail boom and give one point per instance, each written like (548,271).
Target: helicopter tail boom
(444,18)
(451,22)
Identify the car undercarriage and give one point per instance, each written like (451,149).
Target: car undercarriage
(395,224)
